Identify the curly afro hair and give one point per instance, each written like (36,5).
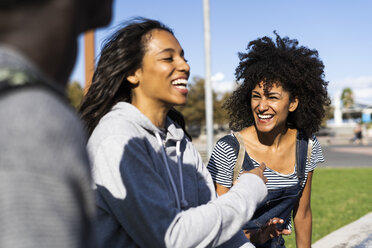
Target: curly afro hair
(296,68)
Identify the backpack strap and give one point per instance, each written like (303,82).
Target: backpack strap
(11,79)
(243,160)
(240,158)
(303,154)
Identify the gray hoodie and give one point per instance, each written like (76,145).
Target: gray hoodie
(153,190)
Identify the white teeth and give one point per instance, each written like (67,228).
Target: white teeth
(180,83)
(180,86)
(264,116)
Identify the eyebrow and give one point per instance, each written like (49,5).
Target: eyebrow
(171,50)
(269,93)
(274,93)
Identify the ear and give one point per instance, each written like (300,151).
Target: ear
(293,105)
(135,77)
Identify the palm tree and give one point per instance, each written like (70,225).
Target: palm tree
(347,98)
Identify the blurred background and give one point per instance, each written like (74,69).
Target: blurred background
(339,30)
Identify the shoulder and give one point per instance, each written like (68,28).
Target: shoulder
(226,146)
(45,130)
(316,155)
(223,155)
(115,128)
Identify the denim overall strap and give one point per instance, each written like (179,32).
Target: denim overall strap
(301,155)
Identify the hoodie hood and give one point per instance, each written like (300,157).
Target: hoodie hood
(128,112)
(124,117)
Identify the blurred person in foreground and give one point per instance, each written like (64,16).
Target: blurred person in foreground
(45,198)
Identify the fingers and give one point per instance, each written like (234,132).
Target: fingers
(262,166)
(259,171)
(275,221)
(285,232)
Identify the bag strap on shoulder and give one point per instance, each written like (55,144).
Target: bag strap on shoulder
(16,79)
(237,144)
(240,158)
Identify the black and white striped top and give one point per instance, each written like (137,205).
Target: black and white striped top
(223,159)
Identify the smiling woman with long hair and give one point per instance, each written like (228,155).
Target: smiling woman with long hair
(276,111)
(151,185)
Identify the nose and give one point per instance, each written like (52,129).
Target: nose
(262,105)
(183,66)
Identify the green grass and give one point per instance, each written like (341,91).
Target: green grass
(339,197)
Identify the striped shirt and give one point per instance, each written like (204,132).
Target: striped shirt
(223,159)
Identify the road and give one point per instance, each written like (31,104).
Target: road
(347,155)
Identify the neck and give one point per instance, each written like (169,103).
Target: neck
(156,114)
(273,138)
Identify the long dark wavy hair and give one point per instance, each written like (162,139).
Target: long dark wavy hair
(121,56)
(296,68)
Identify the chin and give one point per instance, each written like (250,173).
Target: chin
(180,102)
(266,131)
(263,129)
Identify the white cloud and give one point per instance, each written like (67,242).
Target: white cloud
(220,86)
(219,76)
(223,87)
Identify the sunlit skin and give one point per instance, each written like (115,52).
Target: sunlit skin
(161,82)
(270,110)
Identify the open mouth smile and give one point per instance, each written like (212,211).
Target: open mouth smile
(180,84)
(264,117)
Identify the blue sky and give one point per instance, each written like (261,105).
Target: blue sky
(340,31)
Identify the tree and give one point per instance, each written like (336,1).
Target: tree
(347,98)
(194,110)
(75,94)
(329,114)
(220,115)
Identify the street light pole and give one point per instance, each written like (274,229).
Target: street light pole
(208,87)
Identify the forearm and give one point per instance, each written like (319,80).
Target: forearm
(216,222)
(303,229)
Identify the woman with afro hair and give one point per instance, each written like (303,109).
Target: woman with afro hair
(274,113)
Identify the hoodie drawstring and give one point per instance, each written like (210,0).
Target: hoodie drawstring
(183,203)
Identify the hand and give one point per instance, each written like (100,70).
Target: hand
(259,171)
(269,231)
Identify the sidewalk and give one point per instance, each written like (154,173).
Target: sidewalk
(357,234)
(341,140)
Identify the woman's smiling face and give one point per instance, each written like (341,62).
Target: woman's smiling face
(162,79)
(270,109)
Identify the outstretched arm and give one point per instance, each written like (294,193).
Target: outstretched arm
(139,199)
(302,216)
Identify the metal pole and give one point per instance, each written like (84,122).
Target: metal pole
(208,87)
(89,58)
